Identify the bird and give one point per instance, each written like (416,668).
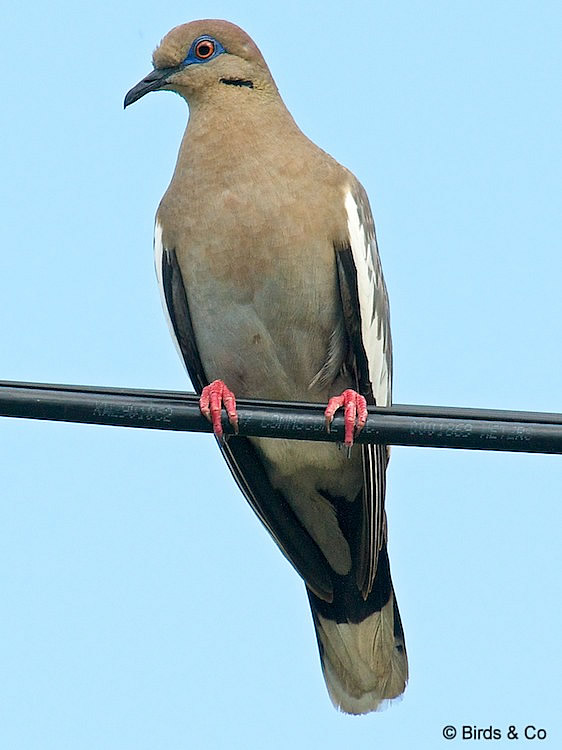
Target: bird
(270,277)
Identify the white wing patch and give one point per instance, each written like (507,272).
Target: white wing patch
(158,257)
(369,284)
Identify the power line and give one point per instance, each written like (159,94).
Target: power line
(430,426)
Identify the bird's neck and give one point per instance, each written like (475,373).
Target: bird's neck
(233,129)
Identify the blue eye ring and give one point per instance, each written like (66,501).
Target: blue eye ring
(203,49)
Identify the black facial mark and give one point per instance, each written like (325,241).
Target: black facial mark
(237,82)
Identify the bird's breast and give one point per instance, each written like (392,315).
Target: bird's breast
(262,294)
(254,241)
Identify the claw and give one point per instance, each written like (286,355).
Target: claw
(211,401)
(355,414)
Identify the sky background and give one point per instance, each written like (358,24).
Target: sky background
(142,605)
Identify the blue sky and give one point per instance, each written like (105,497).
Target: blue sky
(142,605)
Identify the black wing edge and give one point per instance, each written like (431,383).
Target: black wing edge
(242,458)
(375,457)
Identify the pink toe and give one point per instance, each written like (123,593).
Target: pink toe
(355,413)
(211,401)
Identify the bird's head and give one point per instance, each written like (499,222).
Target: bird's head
(200,58)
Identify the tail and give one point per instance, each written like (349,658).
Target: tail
(361,643)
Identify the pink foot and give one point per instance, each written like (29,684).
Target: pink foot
(355,414)
(211,401)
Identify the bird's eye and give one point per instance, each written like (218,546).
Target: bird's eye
(204,49)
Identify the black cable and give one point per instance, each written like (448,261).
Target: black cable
(431,426)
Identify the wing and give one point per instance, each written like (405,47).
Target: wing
(243,460)
(367,319)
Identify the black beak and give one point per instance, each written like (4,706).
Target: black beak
(155,80)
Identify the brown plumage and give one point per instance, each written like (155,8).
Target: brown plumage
(269,270)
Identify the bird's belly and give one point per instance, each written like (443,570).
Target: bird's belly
(268,339)
(255,359)
(301,468)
